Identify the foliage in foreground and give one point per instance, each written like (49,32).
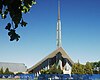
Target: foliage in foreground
(15,9)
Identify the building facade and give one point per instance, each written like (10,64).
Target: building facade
(13,67)
(59,56)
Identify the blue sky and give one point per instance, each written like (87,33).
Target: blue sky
(80,32)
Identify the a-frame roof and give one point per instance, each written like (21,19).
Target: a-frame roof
(61,50)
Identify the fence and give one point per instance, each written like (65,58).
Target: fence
(50,77)
(86,77)
(68,77)
(17,77)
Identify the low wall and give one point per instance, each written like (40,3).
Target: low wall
(17,77)
(67,76)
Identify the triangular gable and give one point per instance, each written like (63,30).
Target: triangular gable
(64,55)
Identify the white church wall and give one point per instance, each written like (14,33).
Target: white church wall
(60,63)
(67,69)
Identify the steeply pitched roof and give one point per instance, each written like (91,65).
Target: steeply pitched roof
(64,55)
(13,67)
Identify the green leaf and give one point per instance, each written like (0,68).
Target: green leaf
(13,35)
(25,9)
(6,12)
(23,23)
(17,37)
(1,5)
(27,2)
(16,26)
(3,16)
(6,2)
(33,2)
(8,27)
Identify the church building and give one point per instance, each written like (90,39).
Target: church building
(58,56)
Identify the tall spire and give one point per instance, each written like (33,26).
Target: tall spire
(58,9)
(58,27)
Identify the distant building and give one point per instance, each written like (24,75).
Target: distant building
(13,67)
